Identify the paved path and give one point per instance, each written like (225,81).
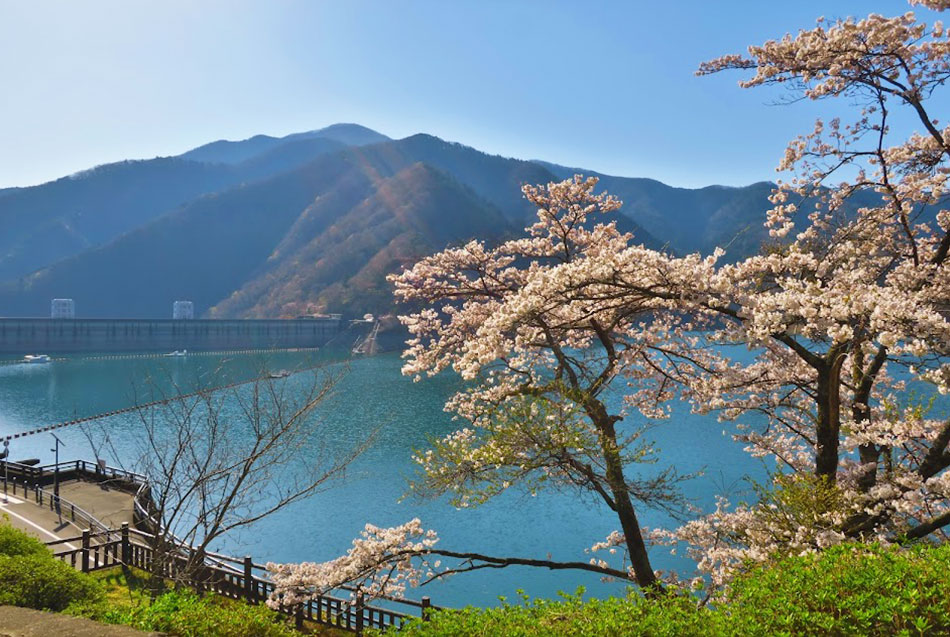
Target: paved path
(24,622)
(107,504)
(37,521)
(112,507)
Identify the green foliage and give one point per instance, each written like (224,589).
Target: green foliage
(15,542)
(31,577)
(186,614)
(847,590)
(674,615)
(44,583)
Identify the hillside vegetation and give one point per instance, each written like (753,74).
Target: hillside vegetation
(275,227)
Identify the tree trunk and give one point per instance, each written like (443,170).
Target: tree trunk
(829,418)
(636,547)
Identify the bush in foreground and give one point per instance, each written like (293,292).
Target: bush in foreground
(847,590)
(31,577)
(15,542)
(186,614)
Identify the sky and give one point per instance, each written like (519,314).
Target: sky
(608,86)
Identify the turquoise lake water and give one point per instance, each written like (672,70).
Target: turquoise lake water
(372,394)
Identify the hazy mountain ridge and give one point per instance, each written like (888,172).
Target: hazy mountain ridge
(54,221)
(307,223)
(689,219)
(233,152)
(219,244)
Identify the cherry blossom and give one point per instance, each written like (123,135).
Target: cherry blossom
(811,348)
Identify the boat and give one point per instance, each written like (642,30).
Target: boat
(178,352)
(36,358)
(279,374)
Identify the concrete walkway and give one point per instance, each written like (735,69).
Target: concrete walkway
(24,622)
(110,506)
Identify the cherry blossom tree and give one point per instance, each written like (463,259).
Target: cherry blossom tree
(541,364)
(835,336)
(536,409)
(843,316)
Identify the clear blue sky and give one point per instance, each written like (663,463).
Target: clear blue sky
(602,85)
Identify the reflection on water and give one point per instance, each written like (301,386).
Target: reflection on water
(371,394)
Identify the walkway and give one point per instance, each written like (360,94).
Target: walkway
(110,506)
(24,622)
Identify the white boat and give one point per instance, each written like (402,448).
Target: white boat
(36,358)
(178,352)
(280,374)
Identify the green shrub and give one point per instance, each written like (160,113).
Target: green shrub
(847,590)
(570,616)
(186,614)
(16,542)
(44,583)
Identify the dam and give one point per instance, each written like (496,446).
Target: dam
(69,335)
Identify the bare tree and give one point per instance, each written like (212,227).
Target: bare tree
(220,459)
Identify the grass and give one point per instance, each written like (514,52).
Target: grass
(126,596)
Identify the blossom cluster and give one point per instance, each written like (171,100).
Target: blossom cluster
(382,561)
(808,349)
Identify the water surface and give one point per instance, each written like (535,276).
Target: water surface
(372,394)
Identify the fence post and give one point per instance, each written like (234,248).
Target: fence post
(126,545)
(85,551)
(426,603)
(359,614)
(249,593)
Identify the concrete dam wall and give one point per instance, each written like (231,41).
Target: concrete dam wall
(52,336)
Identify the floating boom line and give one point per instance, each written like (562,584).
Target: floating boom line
(153,403)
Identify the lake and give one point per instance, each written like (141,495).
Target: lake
(371,394)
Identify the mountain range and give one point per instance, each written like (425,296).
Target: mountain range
(307,223)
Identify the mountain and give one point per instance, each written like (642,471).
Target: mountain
(46,223)
(53,221)
(414,213)
(228,152)
(689,220)
(326,231)
(311,222)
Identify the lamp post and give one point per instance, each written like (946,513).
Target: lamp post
(6,469)
(56,472)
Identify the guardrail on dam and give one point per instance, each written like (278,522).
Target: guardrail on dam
(48,336)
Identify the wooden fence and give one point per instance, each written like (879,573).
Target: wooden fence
(100,548)
(132,548)
(67,470)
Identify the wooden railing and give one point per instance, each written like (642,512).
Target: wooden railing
(101,548)
(46,474)
(133,548)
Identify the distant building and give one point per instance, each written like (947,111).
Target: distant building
(62,309)
(183,310)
